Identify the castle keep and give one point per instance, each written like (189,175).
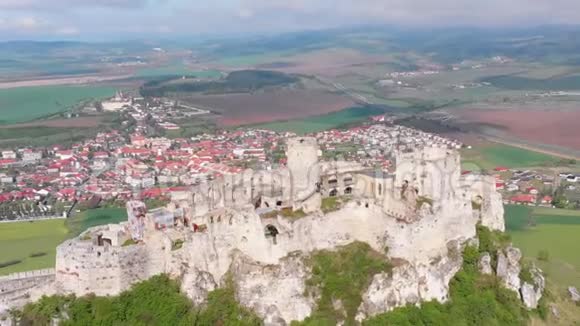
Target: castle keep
(421,212)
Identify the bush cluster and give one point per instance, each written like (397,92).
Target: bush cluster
(157,301)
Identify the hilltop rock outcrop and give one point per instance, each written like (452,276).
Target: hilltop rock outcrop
(532,293)
(508,267)
(409,284)
(574,294)
(485,264)
(509,270)
(197,284)
(274,292)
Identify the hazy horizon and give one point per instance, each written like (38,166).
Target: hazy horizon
(157,19)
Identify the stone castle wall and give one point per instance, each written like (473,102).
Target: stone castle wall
(83,267)
(302,153)
(434,172)
(15,289)
(482,192)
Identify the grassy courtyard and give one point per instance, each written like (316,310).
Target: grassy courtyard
(32,245)
(21,241)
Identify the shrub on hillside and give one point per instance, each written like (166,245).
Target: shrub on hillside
(10,263)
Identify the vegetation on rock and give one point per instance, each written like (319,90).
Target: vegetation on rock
(422,200)
(475,299)
(177,244)
(129,242)
(292,214)
(157,301)
(332,204)
(338,280)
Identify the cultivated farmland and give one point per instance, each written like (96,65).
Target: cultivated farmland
(28,103)
(323,122)
(490,155)
(280,104)
(553,127)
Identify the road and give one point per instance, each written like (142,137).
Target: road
(341,88)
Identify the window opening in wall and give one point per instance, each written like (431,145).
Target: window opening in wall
(271,232)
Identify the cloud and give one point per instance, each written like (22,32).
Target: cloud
(424,12)
(71,4)
(245,13)
(67,31)
(168,17)
(27,23)
(20,24)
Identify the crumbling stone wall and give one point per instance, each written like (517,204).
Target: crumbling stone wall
(302,153)
(434,172)
(17,288)
(83,266)
(486,201)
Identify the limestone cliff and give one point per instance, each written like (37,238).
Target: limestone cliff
(409,284)
(275,292)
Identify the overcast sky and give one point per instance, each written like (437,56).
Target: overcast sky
(117,19)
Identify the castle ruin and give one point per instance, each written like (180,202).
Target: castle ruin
(423,213)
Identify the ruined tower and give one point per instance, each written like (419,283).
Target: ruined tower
(433,172)
(302,153)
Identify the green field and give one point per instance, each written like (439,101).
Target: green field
(95,217)
(29,103)
(21,239)
(491,156)
(552,230)
(323,122)
(470,166)
(43,136)
(570,82)
(33,132)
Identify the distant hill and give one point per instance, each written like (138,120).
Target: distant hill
(243,81)
(557,44)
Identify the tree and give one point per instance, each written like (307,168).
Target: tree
(560,201)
